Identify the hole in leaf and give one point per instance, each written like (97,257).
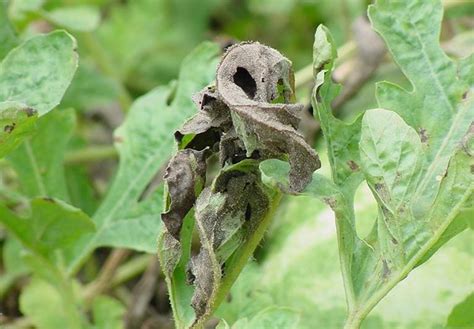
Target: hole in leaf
(248,212)
(244,80)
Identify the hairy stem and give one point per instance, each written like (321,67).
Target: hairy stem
(91,154)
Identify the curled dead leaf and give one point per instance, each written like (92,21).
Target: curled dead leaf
(247,117)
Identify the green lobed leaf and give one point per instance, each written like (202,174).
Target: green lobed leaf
(440,107)
(38,72)
(145,141)
(17,121)
(391,155)
(416,162)
(42,173)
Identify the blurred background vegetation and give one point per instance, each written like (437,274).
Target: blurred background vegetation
(126,49)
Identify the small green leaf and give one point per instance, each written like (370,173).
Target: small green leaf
(391,156)
(441,106)
(341,138)
(17,121)
(38,72)
(42,173)
(77,18)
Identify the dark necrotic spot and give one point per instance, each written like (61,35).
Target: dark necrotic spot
(9,128)
(248,212)
(30,112)
(244,80)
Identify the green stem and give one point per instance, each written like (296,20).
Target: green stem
(91,154)
(353,321)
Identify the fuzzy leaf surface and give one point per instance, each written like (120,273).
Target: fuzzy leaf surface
(38,72)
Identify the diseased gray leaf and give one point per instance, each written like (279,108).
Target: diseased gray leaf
(185,177)
(250,109)
(225,214)
(247,117)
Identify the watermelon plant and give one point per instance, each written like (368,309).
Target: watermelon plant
(213,208)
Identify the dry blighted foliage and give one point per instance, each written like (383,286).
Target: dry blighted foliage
(246,118)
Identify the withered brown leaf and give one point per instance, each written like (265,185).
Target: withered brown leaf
(185,177)
(225,214)
(250,80)
(246,117)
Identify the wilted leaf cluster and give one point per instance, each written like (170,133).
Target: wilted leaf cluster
(245,118)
